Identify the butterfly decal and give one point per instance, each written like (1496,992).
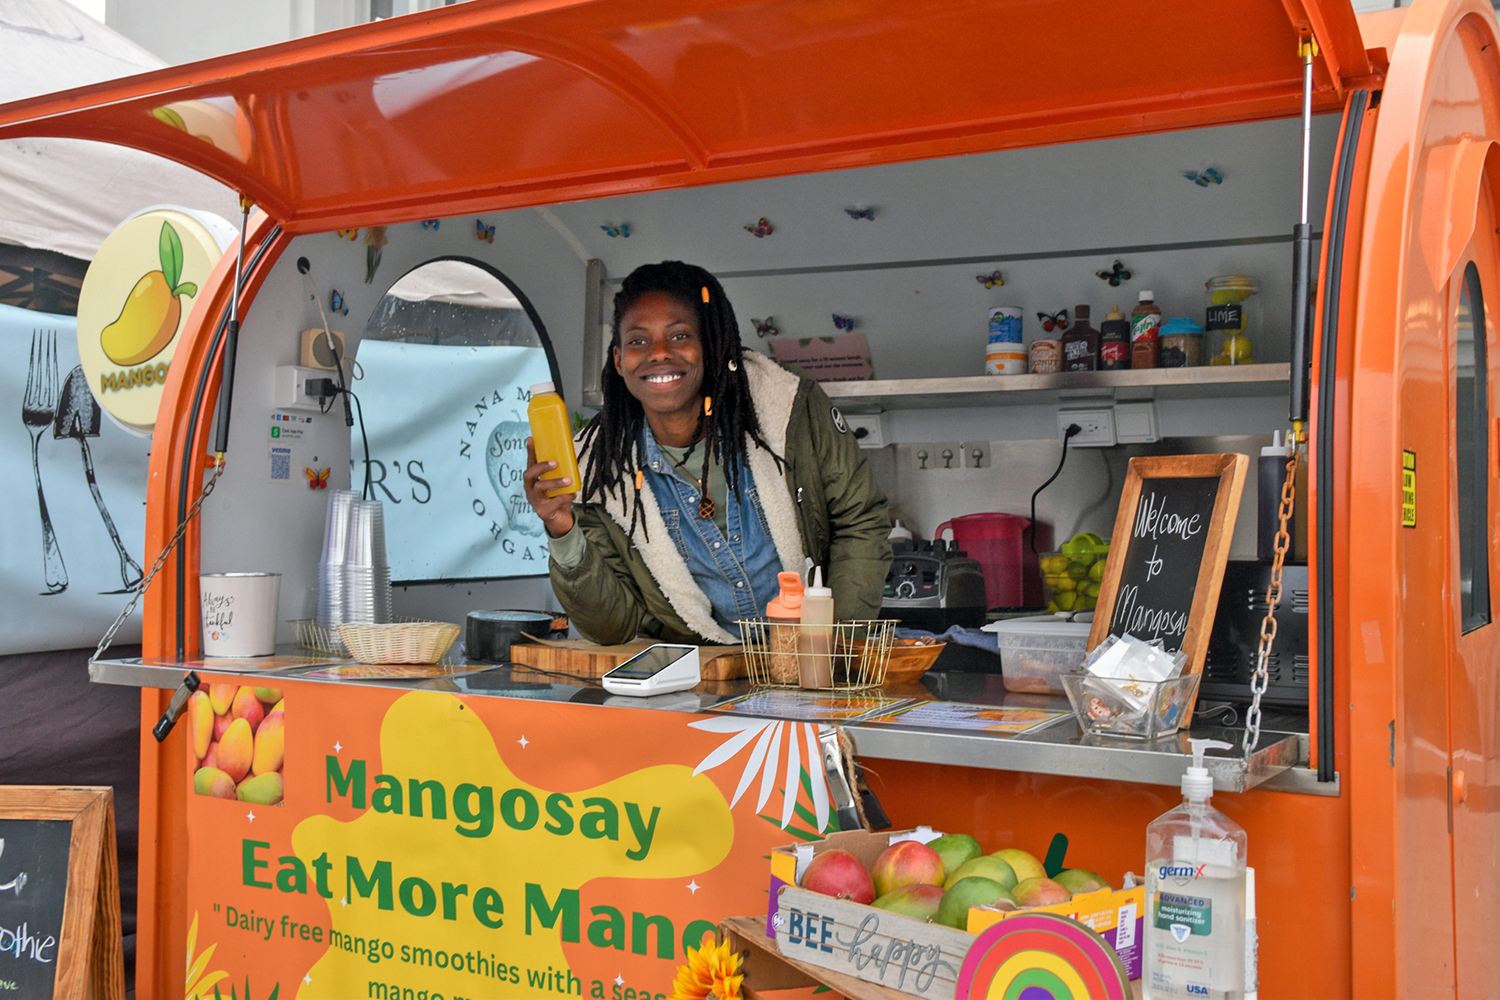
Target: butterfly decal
(336,302)
(431,223)
(843,322)
(1203,180)
(1054,321)
(990,280)
(1114,275)
(317,480)
(623,229)
(349,234)
(766,327)
(483,232)
(860,213)
(761,228)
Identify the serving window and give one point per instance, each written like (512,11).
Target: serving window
(1471,442)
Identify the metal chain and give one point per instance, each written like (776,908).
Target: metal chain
(161,559)
(1261,678)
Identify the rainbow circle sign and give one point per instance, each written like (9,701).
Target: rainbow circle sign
(135,301)
(1041,956)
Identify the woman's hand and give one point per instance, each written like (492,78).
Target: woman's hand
(556,512)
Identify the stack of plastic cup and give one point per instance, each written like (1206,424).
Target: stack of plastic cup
(367,574)
(331,564)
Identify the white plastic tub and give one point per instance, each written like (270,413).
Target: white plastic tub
(1036,652)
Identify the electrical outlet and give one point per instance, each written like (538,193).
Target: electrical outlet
(868,428)
(938,455)
(1098,427)
(976,454)
(289,387)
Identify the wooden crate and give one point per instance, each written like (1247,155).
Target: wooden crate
(584,659)
(875,946)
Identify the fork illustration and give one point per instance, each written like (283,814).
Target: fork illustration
(37,411)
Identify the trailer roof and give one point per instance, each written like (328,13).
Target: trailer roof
(506,103)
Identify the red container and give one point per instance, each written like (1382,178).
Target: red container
(1002,544)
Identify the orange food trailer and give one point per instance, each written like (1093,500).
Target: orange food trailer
(1376,842)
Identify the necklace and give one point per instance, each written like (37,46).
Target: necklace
(705,502)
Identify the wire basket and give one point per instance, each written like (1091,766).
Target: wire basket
(398,642)
(844,656)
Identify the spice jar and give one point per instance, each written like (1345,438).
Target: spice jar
(1181,343)
(1232,317)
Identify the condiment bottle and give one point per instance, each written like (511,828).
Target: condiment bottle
(552,436)
(1114,342)
(815,646)
(784,617)
(1144,321)
(1080,345)
(1195,896)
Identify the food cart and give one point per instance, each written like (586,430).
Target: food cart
(996,135)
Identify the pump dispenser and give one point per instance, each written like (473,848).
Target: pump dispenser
(1195,917)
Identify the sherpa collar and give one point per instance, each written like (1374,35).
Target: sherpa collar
(773,390)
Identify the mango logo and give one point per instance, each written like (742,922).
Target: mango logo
(148,320)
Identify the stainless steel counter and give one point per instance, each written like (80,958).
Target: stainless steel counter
(1279,763)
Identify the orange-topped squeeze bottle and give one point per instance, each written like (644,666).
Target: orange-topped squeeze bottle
(784,629)
(552,436)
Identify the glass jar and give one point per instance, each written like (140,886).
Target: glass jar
(1181,343)
(1232,319)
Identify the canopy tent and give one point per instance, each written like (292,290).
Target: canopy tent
(67,195)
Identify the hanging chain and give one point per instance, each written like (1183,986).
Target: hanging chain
(140,588)
(1261,678)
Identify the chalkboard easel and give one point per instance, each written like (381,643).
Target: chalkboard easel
(1168,552)
(59,894)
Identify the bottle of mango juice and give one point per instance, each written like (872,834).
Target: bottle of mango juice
(552,436)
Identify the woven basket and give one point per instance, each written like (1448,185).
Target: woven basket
(398,642)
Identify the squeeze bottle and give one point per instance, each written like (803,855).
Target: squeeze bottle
(1195,918)
(552,436)
(783,631)
(815,645)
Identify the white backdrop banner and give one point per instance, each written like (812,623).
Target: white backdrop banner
(74,494)
(448,429)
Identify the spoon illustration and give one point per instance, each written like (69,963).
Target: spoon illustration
(78,416)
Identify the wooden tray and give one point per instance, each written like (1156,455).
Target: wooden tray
(584,659)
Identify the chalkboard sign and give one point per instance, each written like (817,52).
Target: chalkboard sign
(59,894)
(1168,552)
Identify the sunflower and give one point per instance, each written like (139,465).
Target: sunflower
(712,973)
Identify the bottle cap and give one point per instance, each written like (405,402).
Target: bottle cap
(541,387)
(1115,313)
(1197,783)
(788,603)
(817,589)
(902,531)
(1147,295)
(1080,313)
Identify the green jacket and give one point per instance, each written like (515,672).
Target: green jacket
(829,508)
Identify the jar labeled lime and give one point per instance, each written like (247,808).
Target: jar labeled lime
(1232,319)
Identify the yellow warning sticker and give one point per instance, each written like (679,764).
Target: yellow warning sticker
(1408,489)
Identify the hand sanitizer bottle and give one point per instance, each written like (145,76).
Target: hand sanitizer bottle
(1195,896)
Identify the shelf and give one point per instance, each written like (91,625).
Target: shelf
(1207,382)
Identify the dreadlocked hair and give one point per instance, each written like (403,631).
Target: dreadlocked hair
(616,446)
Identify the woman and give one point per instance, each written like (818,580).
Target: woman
(709,470)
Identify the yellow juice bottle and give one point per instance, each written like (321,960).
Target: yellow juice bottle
(552,436)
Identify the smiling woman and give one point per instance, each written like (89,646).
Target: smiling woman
(746,468)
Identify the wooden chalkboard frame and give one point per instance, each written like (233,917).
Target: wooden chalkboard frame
(1230,470)
(90,959)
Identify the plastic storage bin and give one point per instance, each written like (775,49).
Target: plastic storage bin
(1036,652)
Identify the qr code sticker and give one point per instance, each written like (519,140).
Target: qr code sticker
(281,464)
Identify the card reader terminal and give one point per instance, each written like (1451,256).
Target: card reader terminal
(655,670)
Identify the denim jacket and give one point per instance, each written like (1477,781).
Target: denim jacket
(736,568)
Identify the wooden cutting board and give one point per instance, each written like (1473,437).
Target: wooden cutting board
(584,659)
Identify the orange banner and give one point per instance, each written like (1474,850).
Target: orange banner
(430,846)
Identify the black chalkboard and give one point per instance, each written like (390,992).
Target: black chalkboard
(1163,559)
(1168,551)
(33,887)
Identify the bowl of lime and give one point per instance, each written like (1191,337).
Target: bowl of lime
(1072,575)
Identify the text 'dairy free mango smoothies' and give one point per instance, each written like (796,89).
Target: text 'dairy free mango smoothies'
(552,436)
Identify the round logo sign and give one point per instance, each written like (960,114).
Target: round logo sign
(135,301)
